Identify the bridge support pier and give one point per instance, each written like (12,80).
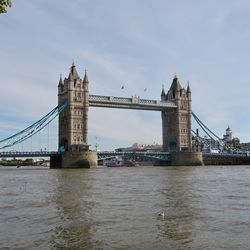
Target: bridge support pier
(82,159)
(187,159)
(74,159)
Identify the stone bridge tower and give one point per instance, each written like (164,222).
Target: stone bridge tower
(73,121)
(73,129)
(176,123)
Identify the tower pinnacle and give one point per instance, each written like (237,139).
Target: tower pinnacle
(60,81)
(163,91)
(85,78)
(73,73)
(176,86)
(188,88)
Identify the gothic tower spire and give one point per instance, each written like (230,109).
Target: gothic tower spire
(163,94)
(60,81)
(188,88)
(85,78)
(73,121)
(176,86)
(85,83)
(176,123)
(73,75)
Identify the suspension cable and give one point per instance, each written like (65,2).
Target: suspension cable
(34,128)
(206,129)
(39,122)
(202,127)
(197,119)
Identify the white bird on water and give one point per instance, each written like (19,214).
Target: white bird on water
(161,214)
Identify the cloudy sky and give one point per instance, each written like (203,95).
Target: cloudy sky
(136,43)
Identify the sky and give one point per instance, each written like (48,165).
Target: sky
(136,43)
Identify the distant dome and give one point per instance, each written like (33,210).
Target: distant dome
(228,137)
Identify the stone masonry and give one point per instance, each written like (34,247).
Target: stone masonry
(176,123)
(73,122)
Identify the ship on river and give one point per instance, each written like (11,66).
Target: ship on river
(120,163)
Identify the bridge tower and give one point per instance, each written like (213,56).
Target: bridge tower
(176,123)
(73,129)
(73,121)
(176,126)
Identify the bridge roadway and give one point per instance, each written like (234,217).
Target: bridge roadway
(12,154)
(129,103)
(208,158)
(153,155)
(102,155)
(226,159)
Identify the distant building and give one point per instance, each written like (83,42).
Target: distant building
(136,147)
(228,137)
(245,146)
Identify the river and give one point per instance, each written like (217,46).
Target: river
(117,208)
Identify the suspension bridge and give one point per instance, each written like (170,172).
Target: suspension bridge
(74,101)
(96,101)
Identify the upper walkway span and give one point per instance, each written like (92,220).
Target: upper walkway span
(129,103)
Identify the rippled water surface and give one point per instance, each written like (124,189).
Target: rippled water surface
(117,208)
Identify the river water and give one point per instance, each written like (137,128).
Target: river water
(117,208)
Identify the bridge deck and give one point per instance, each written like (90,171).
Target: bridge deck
(101,155)
(129,103)
(14,154)
(209,158)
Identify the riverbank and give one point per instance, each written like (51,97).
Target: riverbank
(25,162)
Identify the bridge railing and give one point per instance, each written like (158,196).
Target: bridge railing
(133,103)
(28,154)
(156,155)
(221,155)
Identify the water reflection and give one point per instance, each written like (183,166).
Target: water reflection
(205,208)
(74,206)
(177,223)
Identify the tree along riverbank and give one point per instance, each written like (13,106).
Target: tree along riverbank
(21,162)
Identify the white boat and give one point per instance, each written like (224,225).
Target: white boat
(120,163)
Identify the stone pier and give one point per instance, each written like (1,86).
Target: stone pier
(87,159)
(186,159)
(83,159)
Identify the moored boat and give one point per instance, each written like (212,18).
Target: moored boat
(120,163)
